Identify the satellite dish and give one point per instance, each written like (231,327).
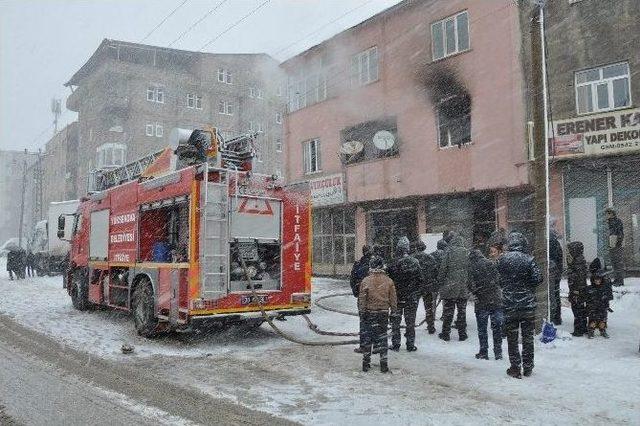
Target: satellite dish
(384,140)
(351,148)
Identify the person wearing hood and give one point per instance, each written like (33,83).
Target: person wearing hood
(406,274)
(377,296)
(556,260)
(496,243)
(598,296)
(483,283)
(429,268)
(519,277)
(616,250)
(453,276)
(577,279)
(359,271)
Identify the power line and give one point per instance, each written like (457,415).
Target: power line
(229,28)
(323,26)
(185,32)
(163,21)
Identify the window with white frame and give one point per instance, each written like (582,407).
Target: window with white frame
(278,117)
(152,129)
(278,145)
(256,126)
(259,93)
(194,101)
(454,121)
(364,67)
(603,88)
(110,155)
(311,156)
(252,92)
(155,94)
(159,130)
(225,76)
(450,36)
(279,90)
(306,91)
(259,156)
(149,129)
(225,107)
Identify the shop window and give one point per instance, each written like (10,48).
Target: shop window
(334,236)
(450,36)
(454,121)
(603,89)
(369,141)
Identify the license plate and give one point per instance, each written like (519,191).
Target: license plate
(251,300)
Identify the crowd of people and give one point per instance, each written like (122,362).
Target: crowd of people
(503,284)
(20,264)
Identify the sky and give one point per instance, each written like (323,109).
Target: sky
(44,42)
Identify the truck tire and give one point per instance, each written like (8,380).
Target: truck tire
(80,291)
(144,316)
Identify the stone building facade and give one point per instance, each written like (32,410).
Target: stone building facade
(60,166)
(14,176)
(130,96)
(593,64)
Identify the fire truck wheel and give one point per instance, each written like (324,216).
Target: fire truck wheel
(79,291)
(144,310)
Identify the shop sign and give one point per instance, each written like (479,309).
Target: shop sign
(616,132)
(327,190)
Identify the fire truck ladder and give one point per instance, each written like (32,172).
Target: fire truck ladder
(214,244)
(105,179)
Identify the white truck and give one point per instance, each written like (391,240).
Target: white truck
(50,252)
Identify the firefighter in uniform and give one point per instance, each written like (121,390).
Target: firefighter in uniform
(406,274)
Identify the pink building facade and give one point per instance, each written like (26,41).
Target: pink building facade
(411,123)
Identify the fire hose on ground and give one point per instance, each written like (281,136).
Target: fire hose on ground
(313,327)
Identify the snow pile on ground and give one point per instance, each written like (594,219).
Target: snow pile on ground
(576,380)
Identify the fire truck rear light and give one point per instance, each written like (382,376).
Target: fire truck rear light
(300,298)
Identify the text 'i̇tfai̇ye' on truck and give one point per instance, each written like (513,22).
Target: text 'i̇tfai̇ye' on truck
(164,238)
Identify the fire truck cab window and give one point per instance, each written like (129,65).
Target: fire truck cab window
(164,233)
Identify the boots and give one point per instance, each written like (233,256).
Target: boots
(366,365)
(603,333)
(411,348)
(431,329)
(482,355)
(444,337)
(384,367)
(591,334)
(514,372)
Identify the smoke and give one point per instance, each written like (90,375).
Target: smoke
(442,83)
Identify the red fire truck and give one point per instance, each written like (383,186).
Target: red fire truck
(165,238)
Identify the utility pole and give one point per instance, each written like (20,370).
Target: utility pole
(24,189)
(540,167)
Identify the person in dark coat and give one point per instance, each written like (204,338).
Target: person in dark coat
(406,274)
(377,296)
(496,243)
(598,296)
(577,279)
(12,257)
(556,261)
(483,284)
(453,276)
(616,250)
(31,264)
(359,271)
(429,268)
(519,277)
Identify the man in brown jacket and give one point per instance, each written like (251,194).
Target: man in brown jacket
(377,295)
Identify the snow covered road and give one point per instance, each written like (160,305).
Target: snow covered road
(576,381)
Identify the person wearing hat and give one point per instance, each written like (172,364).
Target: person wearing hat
(376,297)
(616,239)
(599,295)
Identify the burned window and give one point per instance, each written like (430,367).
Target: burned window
(369,141)
(454,121)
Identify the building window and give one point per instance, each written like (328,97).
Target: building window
(255,126)
(149,129)
(225,76)
(450,36)
(259,156)
(454,121)
(225,107)
(278,145)
(194,101)
(159,130)
(364,67)
(334,236)
(603,89)
(279,91)
(110,155)
(155,94)
(259,93)
(306,91)
(311,156)
(252,92)
(278,118)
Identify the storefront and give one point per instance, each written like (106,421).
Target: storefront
(598,160)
